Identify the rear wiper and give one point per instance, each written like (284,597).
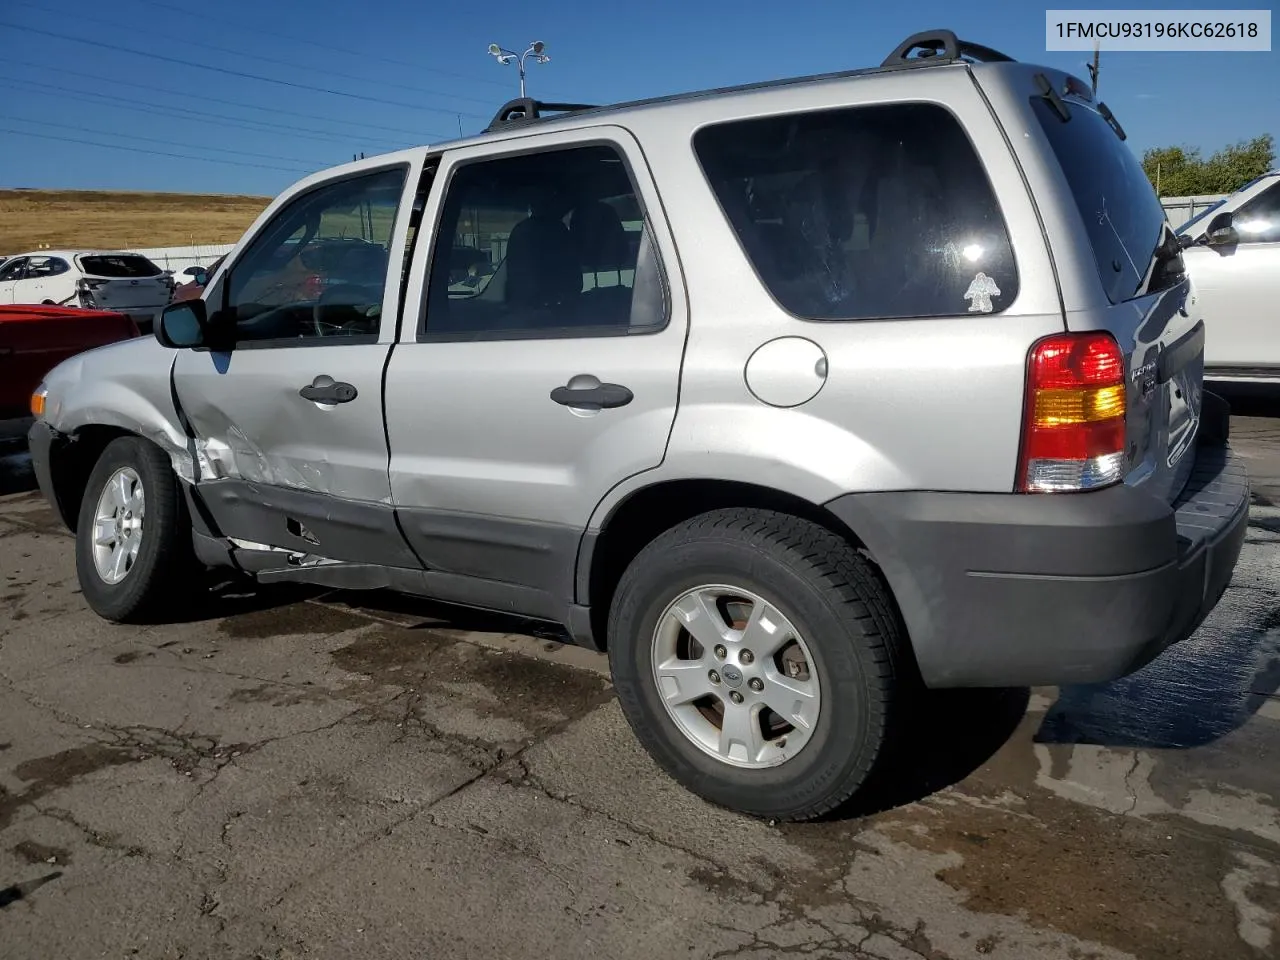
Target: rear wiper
(1108,116)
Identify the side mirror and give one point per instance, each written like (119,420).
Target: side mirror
(183,325)
(1221,231)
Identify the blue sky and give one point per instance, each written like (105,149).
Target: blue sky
(404,73)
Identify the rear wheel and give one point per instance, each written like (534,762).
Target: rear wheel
(134,558)
(757,657)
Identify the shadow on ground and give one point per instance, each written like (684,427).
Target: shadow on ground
(16,475)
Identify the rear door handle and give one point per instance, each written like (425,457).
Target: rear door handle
(601,395)
(326,390)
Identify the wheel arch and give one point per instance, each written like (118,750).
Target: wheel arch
(646,513)
(72,458)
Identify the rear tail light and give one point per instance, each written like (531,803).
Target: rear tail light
(1073,434)
(89,283)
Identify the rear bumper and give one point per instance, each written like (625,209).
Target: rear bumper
(1024,590)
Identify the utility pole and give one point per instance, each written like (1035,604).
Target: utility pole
(1093,69)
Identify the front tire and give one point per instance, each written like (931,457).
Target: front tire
(760,659)
(134,558)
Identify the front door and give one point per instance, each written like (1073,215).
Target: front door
(288,423)
(11,273)
(543,367)
(1237,290)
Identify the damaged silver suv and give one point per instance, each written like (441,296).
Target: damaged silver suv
(792,397)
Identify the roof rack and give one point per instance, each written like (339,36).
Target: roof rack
(939,46)
(526,108)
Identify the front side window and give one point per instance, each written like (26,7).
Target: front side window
(872,212)
(132,266)
(319,267)
(544,244)
(1258,221)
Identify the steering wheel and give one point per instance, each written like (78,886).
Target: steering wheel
(349,298)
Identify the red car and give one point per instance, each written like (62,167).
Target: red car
(34,340)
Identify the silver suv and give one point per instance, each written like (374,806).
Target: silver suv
(793,397)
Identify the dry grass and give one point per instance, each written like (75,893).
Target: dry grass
(89,219)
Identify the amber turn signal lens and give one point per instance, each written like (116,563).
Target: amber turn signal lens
(37,404)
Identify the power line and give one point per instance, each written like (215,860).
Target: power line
(294,65)
(205,98)
(152,55)
(214,119)
(175,143)
(382,57)
(154,153)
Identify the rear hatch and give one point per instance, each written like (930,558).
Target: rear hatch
(122,281)
(1138,260)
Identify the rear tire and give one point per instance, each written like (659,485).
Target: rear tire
(134,557)
(813,593)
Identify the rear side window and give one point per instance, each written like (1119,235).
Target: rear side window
(862,213)
(1121,212)
(130,265)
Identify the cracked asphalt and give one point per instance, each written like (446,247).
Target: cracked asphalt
(299,774)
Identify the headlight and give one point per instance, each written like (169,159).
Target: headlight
(38,398)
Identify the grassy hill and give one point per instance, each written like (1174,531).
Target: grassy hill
(92,219)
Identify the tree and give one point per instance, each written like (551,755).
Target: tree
(1182,172)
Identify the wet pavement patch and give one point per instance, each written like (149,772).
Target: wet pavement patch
(33,853)
(290,618)
(531,692)
(44,775)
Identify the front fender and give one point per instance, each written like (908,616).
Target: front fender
(124,385)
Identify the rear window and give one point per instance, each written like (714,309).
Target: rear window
(873,212)
(130,265)
(1121,212)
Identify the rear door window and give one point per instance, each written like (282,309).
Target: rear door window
(1122,215)
(1258,221)
(132,266)
(873,212)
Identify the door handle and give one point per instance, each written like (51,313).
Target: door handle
(601,395)
(325,390)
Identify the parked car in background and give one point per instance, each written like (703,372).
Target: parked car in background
(94,280)
(1232,254)
(199,279)
(35,339)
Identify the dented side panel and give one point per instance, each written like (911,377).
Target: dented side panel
(250,423)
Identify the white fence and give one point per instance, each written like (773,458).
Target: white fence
(1181,209)
(178,259)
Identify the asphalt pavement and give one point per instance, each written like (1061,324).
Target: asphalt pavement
(301,774)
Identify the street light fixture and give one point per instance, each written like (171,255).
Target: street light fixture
(504,57)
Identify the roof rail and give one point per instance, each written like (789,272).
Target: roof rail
(526,108)
(939,46)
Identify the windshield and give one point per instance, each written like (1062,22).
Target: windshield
(119,265)
(1124,219)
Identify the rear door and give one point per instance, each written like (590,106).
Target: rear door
(288,423)
(1124,275)
(544,366)
(123,281)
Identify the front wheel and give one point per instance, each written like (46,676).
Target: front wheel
(760,660)
(134,558)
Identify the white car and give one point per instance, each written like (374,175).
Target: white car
(1232,254)
(127,283)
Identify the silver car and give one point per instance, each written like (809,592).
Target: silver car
(793,397)
(1233,258)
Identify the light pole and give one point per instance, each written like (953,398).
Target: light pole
(505,56)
